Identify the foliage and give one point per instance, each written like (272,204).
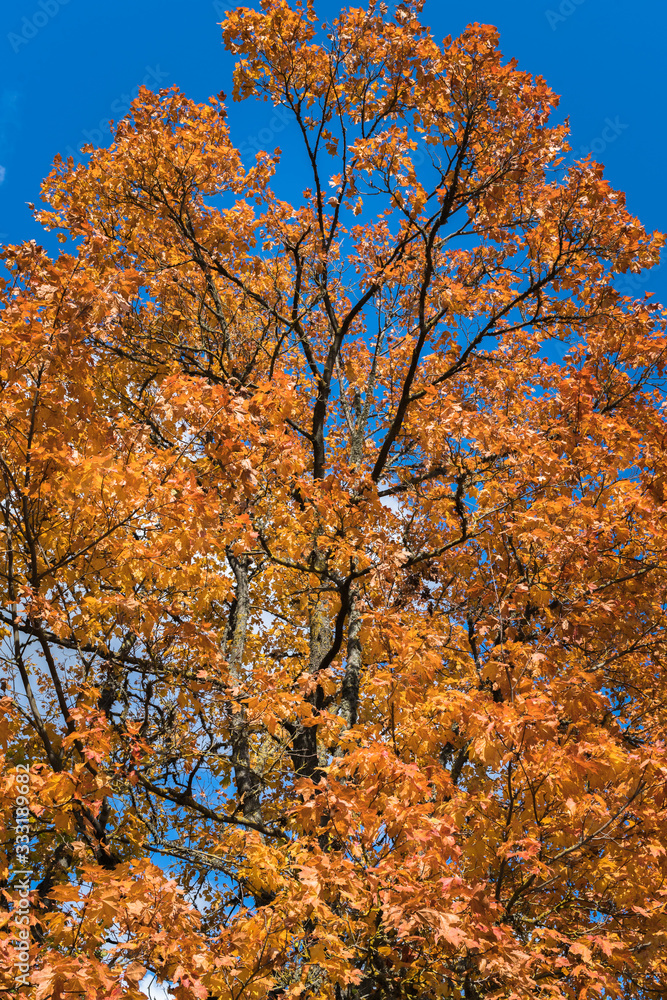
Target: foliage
(334,543)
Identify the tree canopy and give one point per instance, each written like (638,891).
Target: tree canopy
(334,543)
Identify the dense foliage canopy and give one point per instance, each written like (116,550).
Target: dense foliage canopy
(335,546)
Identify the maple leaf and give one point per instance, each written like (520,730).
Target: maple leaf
(333,621)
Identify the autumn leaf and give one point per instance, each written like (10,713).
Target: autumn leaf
(334,621)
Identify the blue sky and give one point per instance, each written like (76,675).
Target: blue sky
(69,66)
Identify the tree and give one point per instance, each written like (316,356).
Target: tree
(334,628)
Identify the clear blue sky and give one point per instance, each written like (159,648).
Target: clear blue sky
(69,66)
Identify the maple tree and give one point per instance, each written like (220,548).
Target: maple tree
(334,617)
